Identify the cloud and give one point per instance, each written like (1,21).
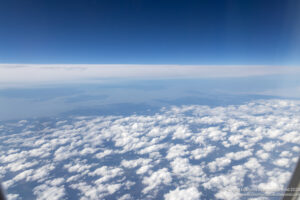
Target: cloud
(126,197)
(202,152)
(180,152)
(282,162)
(46,192)
(183,194)
(106,173)
(18,74)
(135,163)
(161,176)
(177,151)
(219,164)
(277,180)
(12,197)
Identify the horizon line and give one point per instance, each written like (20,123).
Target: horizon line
(34,74)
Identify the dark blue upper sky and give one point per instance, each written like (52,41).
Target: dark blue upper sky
(150,32)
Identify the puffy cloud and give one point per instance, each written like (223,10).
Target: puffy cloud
(202,152)
(77,167)
(214,133)
(239,155)
(183,194)
(46,192)
(104,153)
(262,154)
(126,197)
(181,132)
(24,175)
(179,152)
(285,154)
(219,164)
(269,146)
(21,164)
(95,191)
(282,162)
(12,197)
(161,176)
(106,173)
(191,174)
(135,163)
(277,180)
(144,169)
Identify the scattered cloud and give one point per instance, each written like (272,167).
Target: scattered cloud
(183,152)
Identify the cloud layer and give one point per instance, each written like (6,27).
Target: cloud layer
(18,74)
(186,152)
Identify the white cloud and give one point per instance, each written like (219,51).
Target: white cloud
(46,192)
(252,164)
(77,167)
(214,133)
(277,180)
(296,149)
(176,151)
(230,192)
(23,175)
(95,192)
(135,163)
(269,146)
(18,74)
(12,197)
(126,197)
(282,162)
(262,154)
(255,141)
(184,169)
(56,181)
(144,169)
(103,154)
(106,173)
(161,176)
(235,139)
(219,164)
(183,194)
(21,165)
(42,172)
(239,155)
(181,133)
(202,152)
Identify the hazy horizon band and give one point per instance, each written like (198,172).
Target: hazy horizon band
(15,74)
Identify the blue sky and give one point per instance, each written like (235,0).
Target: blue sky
(148,99)
(150,32)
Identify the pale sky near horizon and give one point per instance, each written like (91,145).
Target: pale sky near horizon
(14,75)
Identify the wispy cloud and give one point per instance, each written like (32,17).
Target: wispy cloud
(20,74)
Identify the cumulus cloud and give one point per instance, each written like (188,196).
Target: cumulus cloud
(45,192)
(202,152)
(219,164)
(177,151)
(161,176)
(183,194)
(186,152)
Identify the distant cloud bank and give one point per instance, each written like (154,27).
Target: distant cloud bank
(32,74)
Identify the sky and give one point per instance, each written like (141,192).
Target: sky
(248,32)
(146,99)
